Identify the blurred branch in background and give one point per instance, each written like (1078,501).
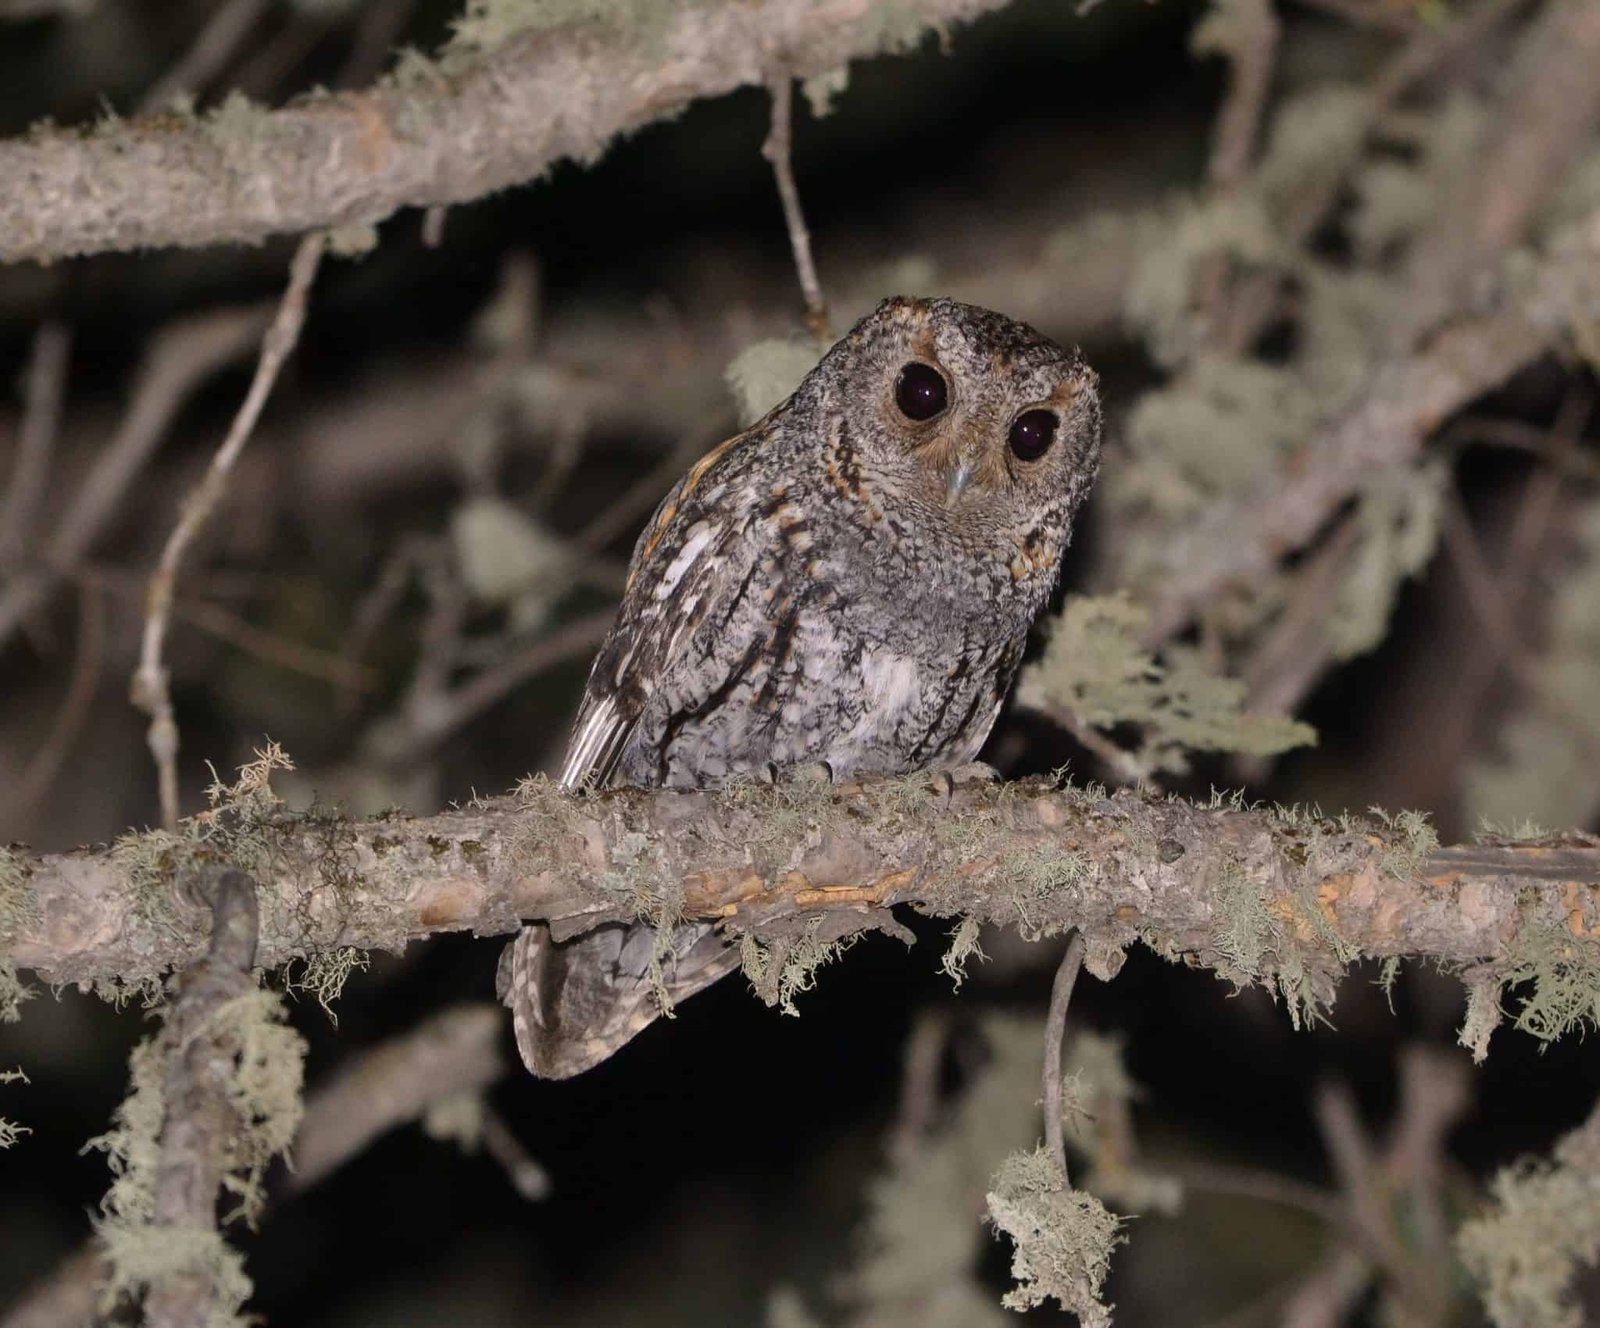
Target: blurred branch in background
(150,689)
(498,109)
(1342,292)
(179,359)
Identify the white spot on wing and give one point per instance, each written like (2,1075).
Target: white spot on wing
(692,548)
(589,744)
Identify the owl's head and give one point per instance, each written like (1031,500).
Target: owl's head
(976,420)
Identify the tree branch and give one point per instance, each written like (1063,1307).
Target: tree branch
(1247,892)
(150,689)
(200,1115)
(447,133)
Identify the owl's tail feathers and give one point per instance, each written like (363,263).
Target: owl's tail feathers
(576,1003)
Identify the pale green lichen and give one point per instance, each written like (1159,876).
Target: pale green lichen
(1259,946)
(1094,668)
(1510,831)
(18,908)
(323,974)
(356,240)
(1209,435)
(1038,876)
(919,1244)
(264,1094)
(1397,523)
(1063,1237)
(1159,301)
(1482,1016)
(10,1131)
(1564,974)
(780,972)
(822,91)
(456,1119)
(963,947)
(785,1309)
(1388,975)
(766,372)
(237,119)
(1413,838)
(240,828)
(1245,928)
(1542,1228)
(1543,767)
(13,992)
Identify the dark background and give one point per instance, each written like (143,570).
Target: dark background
(724,1152)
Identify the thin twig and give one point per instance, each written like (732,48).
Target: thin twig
(216,43)
(1368,13)
(632,504)
(375,606)
(455,1051)
(433,226)
(42,393)
(151,692)
(1239,122)
(1329,1293)
(1493,600)
(407,739)
(1252,1183)
(180,358)
(1055,1032)
(1251,51)
(87,661)
(525,1172)
(1119,765)
(777,151)
(378,31)
(919,1082)
(226,625)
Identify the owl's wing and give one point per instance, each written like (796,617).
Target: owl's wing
(691,564)
(575,1003)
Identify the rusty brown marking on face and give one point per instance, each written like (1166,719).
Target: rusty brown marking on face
(925,347)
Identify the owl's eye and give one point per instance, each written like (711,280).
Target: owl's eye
(1032,433)
(920,391)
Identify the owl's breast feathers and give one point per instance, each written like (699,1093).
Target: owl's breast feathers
(769,623)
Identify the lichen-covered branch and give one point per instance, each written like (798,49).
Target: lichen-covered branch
(199,1119)
(454,1053)
(1239,543)
(495,112)
(215,1097)
(1285,897)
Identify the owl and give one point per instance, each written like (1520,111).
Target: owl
(848,584)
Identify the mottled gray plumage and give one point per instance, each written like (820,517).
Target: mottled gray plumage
(840,585)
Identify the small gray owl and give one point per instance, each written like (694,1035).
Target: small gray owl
(847,584)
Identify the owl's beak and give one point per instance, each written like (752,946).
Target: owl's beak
(957,477)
